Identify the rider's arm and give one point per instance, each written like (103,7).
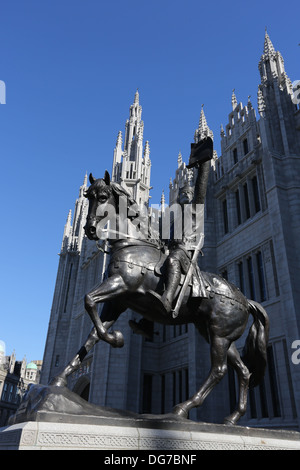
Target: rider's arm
(201,182)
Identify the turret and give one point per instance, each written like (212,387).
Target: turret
(132,164)
(275,102)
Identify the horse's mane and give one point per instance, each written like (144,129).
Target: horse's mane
(118,190)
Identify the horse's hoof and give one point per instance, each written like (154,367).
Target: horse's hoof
(228,422)
(58,382)
(179,411)
(118,339)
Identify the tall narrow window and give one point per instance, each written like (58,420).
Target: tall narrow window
(241,277)
(261,277)
(186,383)
(164,335)
(245,146)
(224,274)
(255,194)
(273,382)
(238,207)
(232,391)
(174,388)
(263,400)
(180,385)
(147,394)
(252,400)
(235,156)
(225,215)
(251,278)
(163,392)
(246,199)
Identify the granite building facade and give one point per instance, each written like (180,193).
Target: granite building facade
(252,226)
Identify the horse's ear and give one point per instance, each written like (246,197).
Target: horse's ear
(92,179)
(106,178)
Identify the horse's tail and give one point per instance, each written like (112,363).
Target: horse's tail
(255,350)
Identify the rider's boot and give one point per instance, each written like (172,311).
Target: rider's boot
(164,302)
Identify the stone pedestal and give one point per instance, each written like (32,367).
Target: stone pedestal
(141,435)
(54,418)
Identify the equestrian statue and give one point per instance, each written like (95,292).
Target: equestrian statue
(161,280)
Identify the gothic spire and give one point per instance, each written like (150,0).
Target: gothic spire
(269,49)
(136,97)
(202,120)
(203,129)
(67,232)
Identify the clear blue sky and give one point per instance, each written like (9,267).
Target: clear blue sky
(71,69)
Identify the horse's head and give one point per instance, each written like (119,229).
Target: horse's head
(101,199)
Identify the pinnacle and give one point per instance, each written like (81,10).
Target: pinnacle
(202,121)
(233,100)
(69,216)
(203,129)
(119,139)
(136,96)
(179,160)
(268,46)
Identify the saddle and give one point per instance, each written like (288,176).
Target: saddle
(134,256)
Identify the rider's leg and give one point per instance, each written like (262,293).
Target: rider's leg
(172,282)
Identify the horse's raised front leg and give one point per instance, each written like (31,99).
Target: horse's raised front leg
(111,288)
(219,348)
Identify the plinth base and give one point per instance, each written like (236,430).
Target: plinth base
(34,435)
(54,418)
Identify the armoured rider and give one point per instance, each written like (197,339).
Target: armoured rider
(181,250)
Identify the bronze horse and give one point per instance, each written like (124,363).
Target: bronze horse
(221,318)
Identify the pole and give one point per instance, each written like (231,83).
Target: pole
(188,277)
